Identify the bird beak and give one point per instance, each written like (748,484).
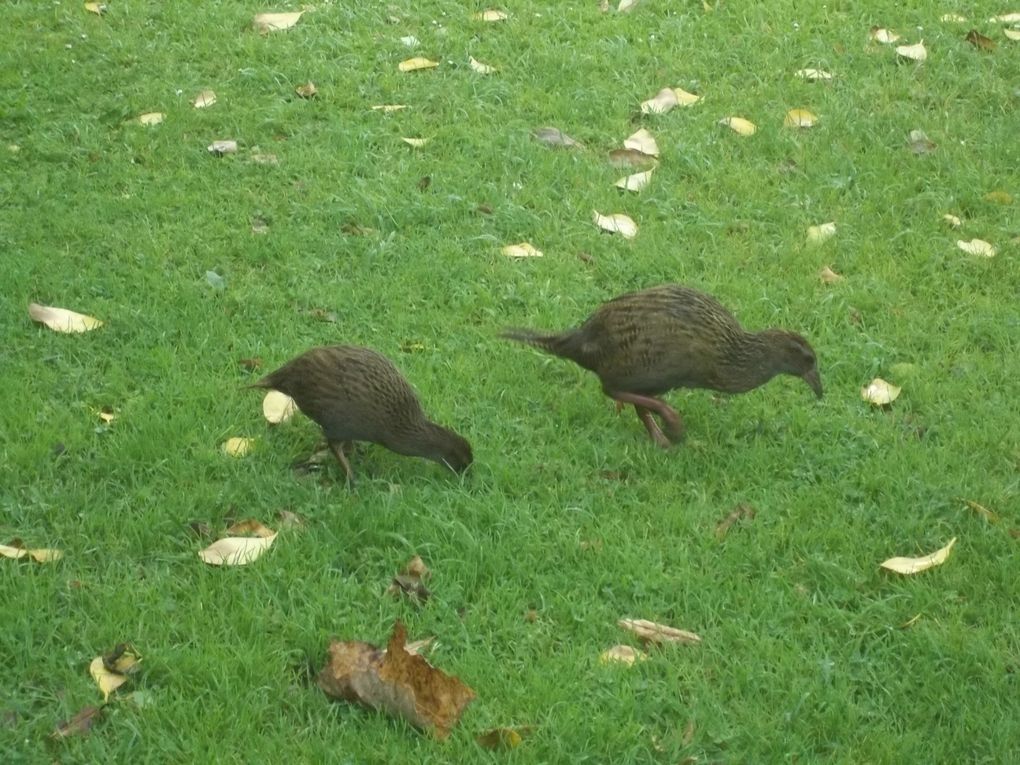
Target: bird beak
(811,378)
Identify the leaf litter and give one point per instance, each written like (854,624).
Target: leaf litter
(239,550)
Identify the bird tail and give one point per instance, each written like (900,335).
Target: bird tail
(564,344)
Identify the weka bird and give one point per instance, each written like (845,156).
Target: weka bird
(646,343)
(356,394)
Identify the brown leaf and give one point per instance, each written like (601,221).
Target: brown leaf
(503,738)
(919,143)
(308,90)
(658,633)
(410,581)
(79,725)
(740,511)
(631,158)
(551,136)
(251,364)
(978,40)
(981,510)
(688,736)
(395,682)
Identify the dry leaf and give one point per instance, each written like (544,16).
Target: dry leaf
(884,36)
(491,15)
(978,40)
(617,223)
(1012,34)
(238,446)
(219,148)
(61,319)
(999,197)
(204,99)
(908,566)
(1007,18)
(278,407)
(813,75)
(644,142)
(688,735)
(621,654)
(522,250)
(821,233)
(952,220)
(79,725)
(981,510)
(915,52)
(274,22)
(952,18)
(239,551)
(97,8)
(410,41)
(106,414)
(879,392)
(417,647)
(739,125)
(308,90)
(555,137)
(666,99)
(635,182)
(410,581)
(977,247)
(502,738)
(16,550)
(658,633)
(417,143)
(417,63)
(626,6)
(479,67)
(111,671)
(828,276)
(919,142)
(265,159)
(396,682)
(800,118)
(387,108)
(151,118)
(737,513)
(631,158)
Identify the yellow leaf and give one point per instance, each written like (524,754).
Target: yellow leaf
(151,118)
(219,148)
(977,247)
(884,36)
(16,550)
(238,447)
(491,15)
(238,551)
(307,90)
(739,125)
(658,633)
(274,22)
(502,738)
(813,75)
(415,142)
(479,67)
(522,250)
(800,118)
(97,8)
(879,392)
(1007,18)
(821,233)
(999,197)
(626,6)
(107,681)
(644,142)
(635,182)
(1012,34)
(387,108)
(660,103)
(952,18)
(829,276)
(105,414)
(617,223)
(908,566)
(952,220)
(981,510)
(278,407)
(684,98)
(417,63)
(61,319)
(204,99)
(621,654)
(915,52)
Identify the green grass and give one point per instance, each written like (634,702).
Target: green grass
(804,658)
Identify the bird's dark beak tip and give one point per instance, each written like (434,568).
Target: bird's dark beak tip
(813,380)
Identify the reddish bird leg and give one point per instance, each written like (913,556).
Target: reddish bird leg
(653,427)
(338,452)
(674,426)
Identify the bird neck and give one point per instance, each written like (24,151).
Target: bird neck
(749,362)
(426,440)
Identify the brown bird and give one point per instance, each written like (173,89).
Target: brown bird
(646,343)
(356,394)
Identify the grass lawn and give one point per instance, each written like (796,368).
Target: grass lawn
(810,652)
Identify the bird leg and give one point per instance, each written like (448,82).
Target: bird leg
(674,426)
(652,426)
(338,452)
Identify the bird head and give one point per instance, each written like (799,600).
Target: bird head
(454,451)
(795,356)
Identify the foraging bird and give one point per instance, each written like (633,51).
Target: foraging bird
(356,394)
(645,343)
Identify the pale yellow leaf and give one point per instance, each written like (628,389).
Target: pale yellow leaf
(884,36)
(417,647)
(16,551)
(739,125)
(800,118)
(1012,34)
(105,414)
(236,551)
(45,555)
(908,566)
(274,22)
(1008,18)
(491,15)
(626,6)
(219,148)
(635,182)
(522,250)
(915,52)
(278,407)
(238,446)
(661,102)
(813,75)
(879,392)
(151,118)
(658,633)
(953,18)
(386,108)
(417,63)
(821,233)
(977,247)
(683,98)
(621,654)
(61,319)
(644,142)
(107,681)
(417,143)
(480,67)
(618,223)
(952,220)
(97,8)
(307,90)
(829,276)
(981,510)
(204,99)
(410,41)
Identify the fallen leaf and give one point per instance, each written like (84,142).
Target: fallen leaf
(62,320)
(238,446)
(879,392)
(410,581)
(828,276)
(111,671)
(631,158)
(813,75)
(668,98)
(910,622)
(908,566)
(555,137)
(821,233)
(204,99)
(479,67)
(736,514)
(236,550)
(919,142)
(978,40)
(251,364)
(278,407)
(274,22)
(952,220)
(952,18)
(981,510)
(308,90)
(1007,18)
(977,247)
(502,738)
(79,725)
(219,148)
(215,281)
(259,225)
(522,250)
(642,141)
(396,682)
(265,159)
(97,8)
(915,52)
(688,735)
(418,647)
(387,108)
(739,125)
(621,654)
(617,223)
(417,143)
(635,182)
(884,36)
(799,118)
(999,197)
(416,64)
(491,15)
(658,633)
(410,41)
(106,414)
(16,550)
(626,6)
(151,118)
(1012,34)
(290,519)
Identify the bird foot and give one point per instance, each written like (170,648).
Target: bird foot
(338,452)
(672,431)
